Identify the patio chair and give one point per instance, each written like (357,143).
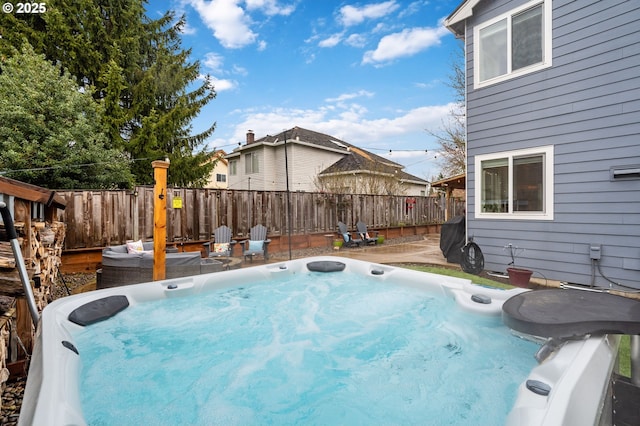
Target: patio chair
(257,244)
(366,237)
(222,243)
(346,236)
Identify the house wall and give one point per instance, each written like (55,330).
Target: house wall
(251,181)
(220,168)
(304,163)
(587,105)
(414,190)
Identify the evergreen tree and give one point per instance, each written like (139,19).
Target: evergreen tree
(164,108)
(139,73)
(51,134)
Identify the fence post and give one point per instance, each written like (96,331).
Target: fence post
(159,219)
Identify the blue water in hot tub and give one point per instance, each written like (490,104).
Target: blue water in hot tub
(316,349)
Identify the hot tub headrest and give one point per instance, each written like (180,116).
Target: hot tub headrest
(326,266)
(98,310)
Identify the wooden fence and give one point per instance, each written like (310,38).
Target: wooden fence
(102,218)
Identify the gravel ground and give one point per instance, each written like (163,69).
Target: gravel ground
(12,395)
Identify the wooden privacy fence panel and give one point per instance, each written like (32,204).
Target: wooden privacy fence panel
(102,218)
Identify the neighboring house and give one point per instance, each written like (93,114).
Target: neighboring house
(219,175)
(316,162)
(553,135)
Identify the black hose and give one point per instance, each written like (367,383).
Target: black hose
(472,261)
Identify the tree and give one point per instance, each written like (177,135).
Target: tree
(372,177)
(139,74)
(451,137)
(50,131)
(163,108)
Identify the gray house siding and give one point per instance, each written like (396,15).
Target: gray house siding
(587,105)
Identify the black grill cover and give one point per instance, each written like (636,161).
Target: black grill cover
(452,239)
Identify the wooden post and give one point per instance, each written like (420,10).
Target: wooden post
(159,219)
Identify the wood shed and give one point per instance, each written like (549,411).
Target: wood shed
(41,237)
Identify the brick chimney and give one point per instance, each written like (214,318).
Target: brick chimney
(250,136)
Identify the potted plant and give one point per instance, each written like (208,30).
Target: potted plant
(337,244)
(380,239)
(518,277)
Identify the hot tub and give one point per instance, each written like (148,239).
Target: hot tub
(566,388)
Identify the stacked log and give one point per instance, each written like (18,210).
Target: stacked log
(41,247)
(5,328)
(46,241)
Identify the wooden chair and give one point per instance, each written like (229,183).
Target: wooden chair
(346,236)
(365,236)
(222,243)
(257,244)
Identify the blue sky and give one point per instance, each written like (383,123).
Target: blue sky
(372,73)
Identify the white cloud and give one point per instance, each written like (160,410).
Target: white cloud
(237,69)
(348,96)
(230,24)
(356,40)
(405,43)
(330,41)
(213,62)
(352,15)
(223,84)
(270,7)
(413,8)
(349,123)
(188,29)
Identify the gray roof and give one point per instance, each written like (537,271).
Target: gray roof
(355,159)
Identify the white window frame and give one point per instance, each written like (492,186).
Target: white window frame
(251,163)
(546,50)
(548,197)
(233,167)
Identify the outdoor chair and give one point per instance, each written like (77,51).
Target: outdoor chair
(365,236)
(257,244)
(346,236)
(222,243)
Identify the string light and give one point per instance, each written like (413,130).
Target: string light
(68,166)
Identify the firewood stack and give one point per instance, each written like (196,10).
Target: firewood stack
(42,260)
(42,256)
(46,241)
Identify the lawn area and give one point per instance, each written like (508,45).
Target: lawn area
(624,351)
(459,274)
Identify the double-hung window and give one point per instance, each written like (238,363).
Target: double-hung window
(251,164)
(515,184)
(233,167)
(513,44)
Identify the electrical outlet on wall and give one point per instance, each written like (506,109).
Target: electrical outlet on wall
(595,251)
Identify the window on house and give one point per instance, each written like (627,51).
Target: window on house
(221,177)
(251,163)
(233,167)
(515,184)
(513,44)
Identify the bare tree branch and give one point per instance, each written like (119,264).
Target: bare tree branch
(451,136)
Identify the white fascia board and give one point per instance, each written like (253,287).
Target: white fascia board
(464,11)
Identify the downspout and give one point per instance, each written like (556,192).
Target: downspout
(466,140)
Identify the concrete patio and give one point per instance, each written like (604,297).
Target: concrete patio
(426,250)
